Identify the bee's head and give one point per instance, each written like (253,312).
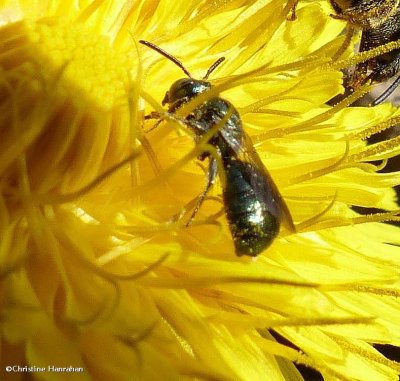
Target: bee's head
(183,90)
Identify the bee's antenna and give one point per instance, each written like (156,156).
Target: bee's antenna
(167,55)
(214,66)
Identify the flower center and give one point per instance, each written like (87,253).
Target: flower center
(85,62)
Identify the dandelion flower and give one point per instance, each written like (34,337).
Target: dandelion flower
(100,276)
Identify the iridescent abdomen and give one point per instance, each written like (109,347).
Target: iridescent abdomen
(251,206)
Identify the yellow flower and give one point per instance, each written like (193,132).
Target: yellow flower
(100,276)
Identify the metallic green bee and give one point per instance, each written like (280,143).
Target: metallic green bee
(253,205)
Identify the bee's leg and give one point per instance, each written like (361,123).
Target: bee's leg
(360,76)
(346,43)
(153,115)
(292,11)
(211,176)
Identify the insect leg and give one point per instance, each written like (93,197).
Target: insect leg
(211,176)
(153,115)
(346,43)
(292,11)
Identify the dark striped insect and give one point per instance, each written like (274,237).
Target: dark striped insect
(383,67)
(379,21)
(253,205)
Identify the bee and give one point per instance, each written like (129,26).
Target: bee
(361,14)
(253,205)
(383,67)
(379,22)
(364,14)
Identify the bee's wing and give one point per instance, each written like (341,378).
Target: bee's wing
(248,154)
(233,140)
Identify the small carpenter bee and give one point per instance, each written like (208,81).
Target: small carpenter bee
(253,205)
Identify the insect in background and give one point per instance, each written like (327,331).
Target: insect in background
(253,205)
(379,21)
(383,67)
(364,14)
(361,14)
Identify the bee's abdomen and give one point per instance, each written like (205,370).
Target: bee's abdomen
(251,207)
